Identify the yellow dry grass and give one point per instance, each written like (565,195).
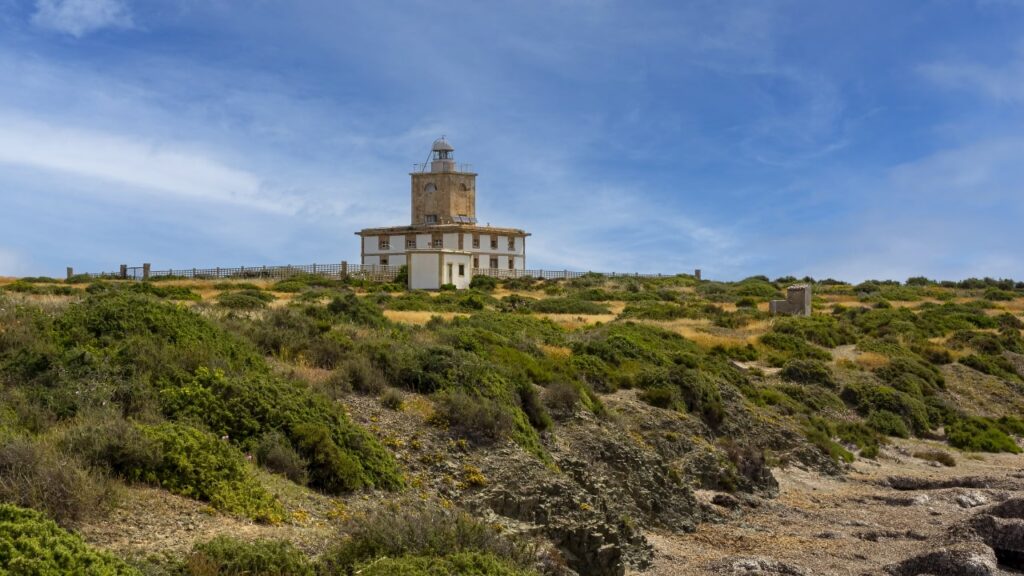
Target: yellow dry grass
(699,332)
(417,317)
(871,360)
(574,321)
(556,351)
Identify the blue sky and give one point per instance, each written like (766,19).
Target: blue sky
(874,139)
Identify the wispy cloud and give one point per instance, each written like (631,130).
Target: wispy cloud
(146,166)
(81,17)
(1004,83)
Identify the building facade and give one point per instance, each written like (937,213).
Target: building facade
(443,244)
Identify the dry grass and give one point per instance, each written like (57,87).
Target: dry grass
(699,331)
(871,360)
(574,321)
(561,352)
(417,317)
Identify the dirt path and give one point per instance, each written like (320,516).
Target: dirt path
(843,526)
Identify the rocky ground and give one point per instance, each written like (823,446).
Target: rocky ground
(898,515)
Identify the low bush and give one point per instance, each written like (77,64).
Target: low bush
(32,545)
(35,475)
(867,397)
(806,371)
(409,529)
(885,422)
(274,452)
(392,399)
(944,458)
(562,398)
(483,283)
(463,564)
(473,416)
(784,347)
(182,460)
(819,432)
(661,397)
(976,434)
(245,299)
(226,556)
(821,330)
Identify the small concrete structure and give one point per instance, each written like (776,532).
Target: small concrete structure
(797,302)
(431,269)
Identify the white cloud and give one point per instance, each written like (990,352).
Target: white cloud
(10,263)
(80,17)
(142,166)
(1003,83)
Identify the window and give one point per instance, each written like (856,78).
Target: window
(383,260)
(476,242)
(476,261)
(462,269)
(383,243)
(410,242)
(430,187)
(511,244)
(494,262)
(438,244)
(431,218)
(511,264)
(494,243)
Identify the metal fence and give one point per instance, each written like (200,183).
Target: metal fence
(341,270)
(371,272)
(558,274)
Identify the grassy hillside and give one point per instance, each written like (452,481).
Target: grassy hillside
(293,403)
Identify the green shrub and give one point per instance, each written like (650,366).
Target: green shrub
(356,310)
(245,299)
(226,556)
(868,398)
(647,310)
(31,545)
(473,416)
(274,452)
(483,283)
(409,529)
(806,371)
(660,396)
(887,423)
(363,376)
(185,461)
(860,435)
(783,347)
(1011,425)
(819,432)
(821,330)
(24,287)
(976,434)
(341,456)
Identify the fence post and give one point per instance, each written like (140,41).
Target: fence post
(124,271)
(71,272)
(696,273)
(145,270)
(565,274)
(344,270)
(314,268)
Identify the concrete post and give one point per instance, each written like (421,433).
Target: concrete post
(146,266)
(124,271)
(344,270)
(71,272)
(696,273)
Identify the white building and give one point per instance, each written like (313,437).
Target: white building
(444,244)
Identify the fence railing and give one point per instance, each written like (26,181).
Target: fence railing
(371,272)
(557,274)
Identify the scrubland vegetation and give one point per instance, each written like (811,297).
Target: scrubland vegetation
(202,389)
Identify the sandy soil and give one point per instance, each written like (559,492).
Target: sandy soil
(849,525)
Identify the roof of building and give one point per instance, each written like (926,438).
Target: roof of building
(442,145)
(427,229)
